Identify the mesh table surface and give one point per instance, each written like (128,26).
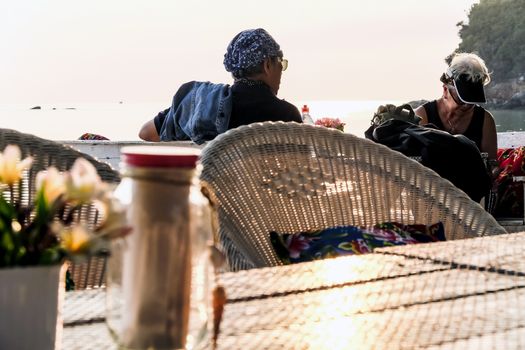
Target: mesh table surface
(461,294)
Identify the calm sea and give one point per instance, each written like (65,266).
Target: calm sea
(121,121)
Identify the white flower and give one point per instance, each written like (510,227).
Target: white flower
(11,165)
(114,222)
(83,183)
(52,183)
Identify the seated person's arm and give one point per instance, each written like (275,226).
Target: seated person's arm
(148,132)
(151,129)
(421,112)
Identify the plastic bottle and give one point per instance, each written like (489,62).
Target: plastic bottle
(305,113)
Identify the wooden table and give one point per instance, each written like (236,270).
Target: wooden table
(457,294)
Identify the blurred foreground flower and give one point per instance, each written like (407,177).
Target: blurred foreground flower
(53,226)
(51,183)
(11,165)
(83,183)
(75,239)
(334,123)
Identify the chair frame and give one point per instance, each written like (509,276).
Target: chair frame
(46,153)
(290,177)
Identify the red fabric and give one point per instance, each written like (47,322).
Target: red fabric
(510,193)
(90,136)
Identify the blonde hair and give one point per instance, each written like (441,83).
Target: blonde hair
(471,65)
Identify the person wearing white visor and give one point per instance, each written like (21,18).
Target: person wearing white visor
(458,111)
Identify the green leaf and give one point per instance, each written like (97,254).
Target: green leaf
(50,256)
(7,241)
(7,211)
(43,213)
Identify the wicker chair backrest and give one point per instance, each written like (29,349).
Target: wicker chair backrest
(48,153)
(290,177)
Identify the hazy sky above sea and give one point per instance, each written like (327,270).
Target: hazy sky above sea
(66,51)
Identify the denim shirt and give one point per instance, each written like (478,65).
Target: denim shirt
(199,112)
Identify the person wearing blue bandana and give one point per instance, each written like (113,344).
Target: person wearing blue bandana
(202,110)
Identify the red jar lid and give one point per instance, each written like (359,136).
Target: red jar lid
(160,156)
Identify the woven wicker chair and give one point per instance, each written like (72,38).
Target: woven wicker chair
(47,153)
(290,177)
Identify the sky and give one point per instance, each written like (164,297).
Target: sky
(96,51)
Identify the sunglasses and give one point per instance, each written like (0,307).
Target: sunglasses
(445,79)
(283,62)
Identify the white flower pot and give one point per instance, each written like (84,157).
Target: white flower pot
(31,301)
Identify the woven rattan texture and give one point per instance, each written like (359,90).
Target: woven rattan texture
(504,254)
(92,336)
(290,177)
(342,319)
(323,275)
(48,153)
(408,297)
(84,306)
(471,297)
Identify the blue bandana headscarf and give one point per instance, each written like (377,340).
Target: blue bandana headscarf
(249,48)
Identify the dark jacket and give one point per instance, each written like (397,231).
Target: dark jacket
(202,110)
(255,102)
(199,112)
(454,157)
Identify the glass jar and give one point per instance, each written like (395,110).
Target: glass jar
(158,276)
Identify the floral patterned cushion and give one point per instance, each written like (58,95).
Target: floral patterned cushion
(347,240)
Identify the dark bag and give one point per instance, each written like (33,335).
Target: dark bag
(389,112)
(453,157)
